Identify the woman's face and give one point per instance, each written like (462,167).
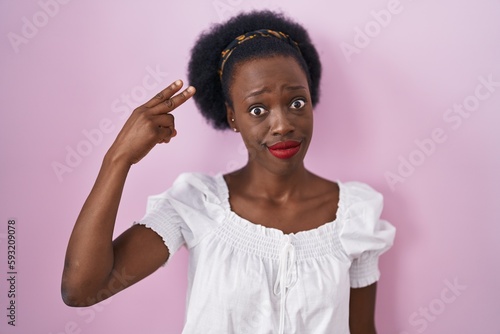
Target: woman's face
(272,110)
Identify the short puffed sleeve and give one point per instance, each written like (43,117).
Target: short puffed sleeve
(186,212)
(364,235)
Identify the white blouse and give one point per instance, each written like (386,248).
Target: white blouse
(248,278)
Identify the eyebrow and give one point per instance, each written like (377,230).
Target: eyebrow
(266,90)
(257,92)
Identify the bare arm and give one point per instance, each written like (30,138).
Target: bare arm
(362,310)
(96,267)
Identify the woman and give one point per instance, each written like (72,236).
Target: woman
(273,247)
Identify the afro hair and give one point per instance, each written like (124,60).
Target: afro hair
(212,91)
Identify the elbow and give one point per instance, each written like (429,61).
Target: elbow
(82,293)
(76,293)
(76,288)
(69,291)
(69,299)
(74,297)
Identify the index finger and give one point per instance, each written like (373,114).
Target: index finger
(165,94)
(173,102)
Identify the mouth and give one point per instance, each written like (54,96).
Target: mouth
(285,149)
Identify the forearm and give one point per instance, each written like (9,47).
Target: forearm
(89,256)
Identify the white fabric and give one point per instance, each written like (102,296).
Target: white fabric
(247,278)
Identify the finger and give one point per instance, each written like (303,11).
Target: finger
(164,120)
(165,134)
(173,102)
(164,94)
(166,127)
(170,134)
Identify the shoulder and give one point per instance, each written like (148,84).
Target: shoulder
(323,187)
(197,187)
(195,180)
(188,186)
(355,192)
(362,227)
(348,191)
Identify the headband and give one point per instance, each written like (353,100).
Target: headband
(248,36)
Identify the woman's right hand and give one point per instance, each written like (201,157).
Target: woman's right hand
(148,125)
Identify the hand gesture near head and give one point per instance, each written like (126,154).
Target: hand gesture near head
(150,124)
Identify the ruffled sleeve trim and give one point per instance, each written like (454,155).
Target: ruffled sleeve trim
(162,219)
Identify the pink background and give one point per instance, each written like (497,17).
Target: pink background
(69,76)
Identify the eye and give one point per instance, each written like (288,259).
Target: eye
(298,104)
(257,111)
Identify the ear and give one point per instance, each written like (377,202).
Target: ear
(231,120)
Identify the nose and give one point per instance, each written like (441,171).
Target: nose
(281,122)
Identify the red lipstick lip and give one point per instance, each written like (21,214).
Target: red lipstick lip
(282,145)
(285,149)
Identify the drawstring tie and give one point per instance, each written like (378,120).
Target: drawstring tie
(285,278)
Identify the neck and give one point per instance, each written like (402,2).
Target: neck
(272,186)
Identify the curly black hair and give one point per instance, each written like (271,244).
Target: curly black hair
(212,92)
